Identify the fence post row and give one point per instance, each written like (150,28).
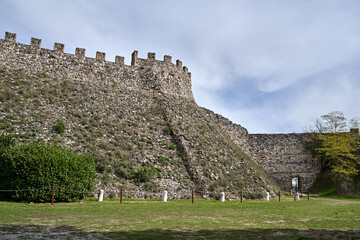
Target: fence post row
(296,195)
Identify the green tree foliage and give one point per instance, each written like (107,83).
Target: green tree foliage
(6,141)
(38,165)
(339,153)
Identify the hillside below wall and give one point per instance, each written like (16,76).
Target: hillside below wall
(284,157)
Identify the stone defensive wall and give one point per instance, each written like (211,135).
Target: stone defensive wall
(142,74)
(284,157)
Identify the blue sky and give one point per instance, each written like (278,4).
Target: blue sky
(271,66)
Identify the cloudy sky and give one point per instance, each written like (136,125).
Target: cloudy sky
(270,65)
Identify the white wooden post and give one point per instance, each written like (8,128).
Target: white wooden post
(297,196)
(222,197)
(165,196)
(101,195)
(267,196)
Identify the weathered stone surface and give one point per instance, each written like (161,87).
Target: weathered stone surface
(236,132)
(284,157)
(147,74)
(134,117)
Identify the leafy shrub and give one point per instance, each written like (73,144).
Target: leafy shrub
(101,164)
(41,165)
(144,174)
(112,195)
(253,195)
(6,141)
(171,146)
(151,186)
(168,130)
(60,126)
(162,160)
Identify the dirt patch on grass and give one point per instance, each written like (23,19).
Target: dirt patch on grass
(336,202)
(306,219)
(279,221)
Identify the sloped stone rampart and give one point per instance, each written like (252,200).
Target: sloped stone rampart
(236,132)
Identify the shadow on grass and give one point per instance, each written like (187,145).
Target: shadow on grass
(68,232)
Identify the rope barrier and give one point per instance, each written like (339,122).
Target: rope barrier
(23,190)
(72,190)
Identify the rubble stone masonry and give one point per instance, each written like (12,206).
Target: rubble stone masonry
(282,156)
(142,74)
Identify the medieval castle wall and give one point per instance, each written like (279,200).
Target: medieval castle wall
(282,156)
(142,74)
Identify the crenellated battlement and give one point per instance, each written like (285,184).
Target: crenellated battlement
(164,76)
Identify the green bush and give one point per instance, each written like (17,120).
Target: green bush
(144,174)
(253,195)
(6,141)
(41,165)
(168,130)
(60,126)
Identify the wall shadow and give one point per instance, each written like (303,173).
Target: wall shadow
(10,231)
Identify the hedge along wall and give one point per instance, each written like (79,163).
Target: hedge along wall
(40,165)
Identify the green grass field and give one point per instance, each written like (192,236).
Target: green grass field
(319,218)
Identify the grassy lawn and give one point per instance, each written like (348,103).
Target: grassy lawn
(324,218)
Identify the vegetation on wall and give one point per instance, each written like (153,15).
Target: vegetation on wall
(60,126)
(340,153)
(338,150)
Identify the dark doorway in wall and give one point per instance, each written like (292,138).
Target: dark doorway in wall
(296,183)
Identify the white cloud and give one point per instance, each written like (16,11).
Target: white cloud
(283,58)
